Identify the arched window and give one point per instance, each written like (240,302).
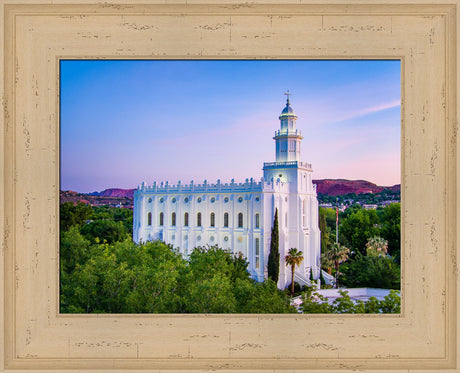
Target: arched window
(213,220)
(149,218)
(198,219)
(186,219)
(226,219)
(304,210)
(257,253)
(161,218)
(173,219)
(257,221)
(240,220)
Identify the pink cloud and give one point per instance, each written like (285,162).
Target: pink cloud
(320,114)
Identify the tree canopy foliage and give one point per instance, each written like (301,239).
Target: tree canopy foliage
(371,271)
(72,215)
(357,228)
(390,229)
(362,198)
(373,237)
(152,277)
(313,302)
(357,225)
(103,271)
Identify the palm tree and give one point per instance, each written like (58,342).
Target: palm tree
(376,247)
(326,263)
(337,254)
(294,258)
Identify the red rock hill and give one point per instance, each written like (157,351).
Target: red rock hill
(116,192)
(331,187)
(338,187)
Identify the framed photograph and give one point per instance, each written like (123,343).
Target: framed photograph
(173,151)
(37,37)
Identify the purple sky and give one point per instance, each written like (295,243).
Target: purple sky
(124,122)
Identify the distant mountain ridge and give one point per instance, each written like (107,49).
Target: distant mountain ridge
(109,197)
(117,192)
(339,187)
(331,187)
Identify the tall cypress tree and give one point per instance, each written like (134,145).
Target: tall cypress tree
(323,229)
(274,256)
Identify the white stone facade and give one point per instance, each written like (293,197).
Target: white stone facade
(239,216)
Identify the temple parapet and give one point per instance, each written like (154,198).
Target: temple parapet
(164,187)
(288,164)
(295,132)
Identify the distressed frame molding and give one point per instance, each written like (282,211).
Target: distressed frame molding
(423,35)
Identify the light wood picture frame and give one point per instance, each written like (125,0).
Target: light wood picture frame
(36,35)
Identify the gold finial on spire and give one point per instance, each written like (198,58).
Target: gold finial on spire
(288,94)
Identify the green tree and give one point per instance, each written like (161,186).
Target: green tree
(74,249)
(375,272)
(343,304)
(152,277)
(354,208)
(124,277)
(372,305)
(257,297)
(337,254)
(324,229)
(294,258)
(240,267)
(313,302)
(330,216)
(207,284)
(155,277)
(114,213)
(102,213)
(391,303)
(205,262)
(73,215)
(125,216)
(391,228)
(104,231)
(321,278)
(209,295)
(326,262)
(100,285)
(356,228)
(274,255)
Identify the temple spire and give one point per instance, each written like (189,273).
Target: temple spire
(288,94)
(288,137)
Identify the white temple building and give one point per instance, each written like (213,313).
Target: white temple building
(239,216)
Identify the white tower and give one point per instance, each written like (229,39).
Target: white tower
(288,168)
(288,138)
(239,216)
(294,196)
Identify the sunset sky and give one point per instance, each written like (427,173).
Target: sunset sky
(125,122)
